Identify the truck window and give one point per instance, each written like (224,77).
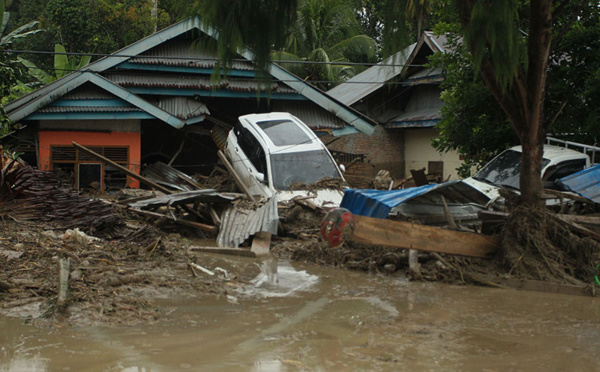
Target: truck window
(564,169)
(252,148)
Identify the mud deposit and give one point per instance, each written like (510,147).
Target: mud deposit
(312,318)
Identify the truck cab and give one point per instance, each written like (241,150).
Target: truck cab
(505,169)
(272,151)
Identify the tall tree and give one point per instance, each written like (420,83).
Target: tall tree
(515,74)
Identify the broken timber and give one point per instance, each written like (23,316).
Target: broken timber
(389,233)
(340,225)
(236,177)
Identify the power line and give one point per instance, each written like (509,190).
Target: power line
(215,59)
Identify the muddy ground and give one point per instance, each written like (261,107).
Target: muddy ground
(120,261)
(115,277)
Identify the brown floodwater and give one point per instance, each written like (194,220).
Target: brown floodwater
(310,318)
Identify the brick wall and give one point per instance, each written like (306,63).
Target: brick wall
(384,149)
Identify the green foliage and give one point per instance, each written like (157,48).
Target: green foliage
(63,65)
(261,25)
(473,124)
(327,33)
(494,35)
(573,104)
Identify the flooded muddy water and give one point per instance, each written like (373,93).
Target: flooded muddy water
(298,317)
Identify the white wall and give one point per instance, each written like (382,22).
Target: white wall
(418,152)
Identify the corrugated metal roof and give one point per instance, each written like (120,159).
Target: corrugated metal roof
(438,43)
(183,107)
(421,118)
(181,52)
(63,109)
(371,79)
(585,183)
(190,82)
(239,223)
(312,115)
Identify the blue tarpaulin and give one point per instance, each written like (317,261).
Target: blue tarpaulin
(585,183)
(378,203)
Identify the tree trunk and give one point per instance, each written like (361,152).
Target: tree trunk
(523,101)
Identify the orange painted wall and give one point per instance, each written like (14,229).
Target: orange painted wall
(64,138)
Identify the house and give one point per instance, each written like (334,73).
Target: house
(403,96)
(160,99)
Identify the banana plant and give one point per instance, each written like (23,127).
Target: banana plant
(21,32)
(63,65)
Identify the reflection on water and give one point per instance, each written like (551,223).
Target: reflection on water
(279,279)
(294,317)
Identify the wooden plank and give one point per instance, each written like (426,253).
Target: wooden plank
(582,219)
(261,243)
(236,177)
(399,234)
(197,225)
(229,251)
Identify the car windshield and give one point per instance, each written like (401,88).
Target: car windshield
(284,132)
(306,167)
(504,170)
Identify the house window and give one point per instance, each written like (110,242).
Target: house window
(85,172)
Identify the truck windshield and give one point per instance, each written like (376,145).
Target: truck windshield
(504,170)
(284,132)
(306,167)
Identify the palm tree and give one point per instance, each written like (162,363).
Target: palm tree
(324,40)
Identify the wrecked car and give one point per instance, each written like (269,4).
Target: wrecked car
(505,169)
(272,151)
(465,198)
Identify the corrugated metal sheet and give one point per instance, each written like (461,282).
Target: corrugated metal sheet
(219,135)
(164,174)
(311,114)
(378,203)
(183,107)
(205,196)
(239,223)
(585,183)
(179,53)
(63,109)
(189,82)
(371,79)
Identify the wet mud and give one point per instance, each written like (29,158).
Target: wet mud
(329,320)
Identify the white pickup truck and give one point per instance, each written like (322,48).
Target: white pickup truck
(272,151)
(505,169)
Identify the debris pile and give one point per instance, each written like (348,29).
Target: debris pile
(27,193)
